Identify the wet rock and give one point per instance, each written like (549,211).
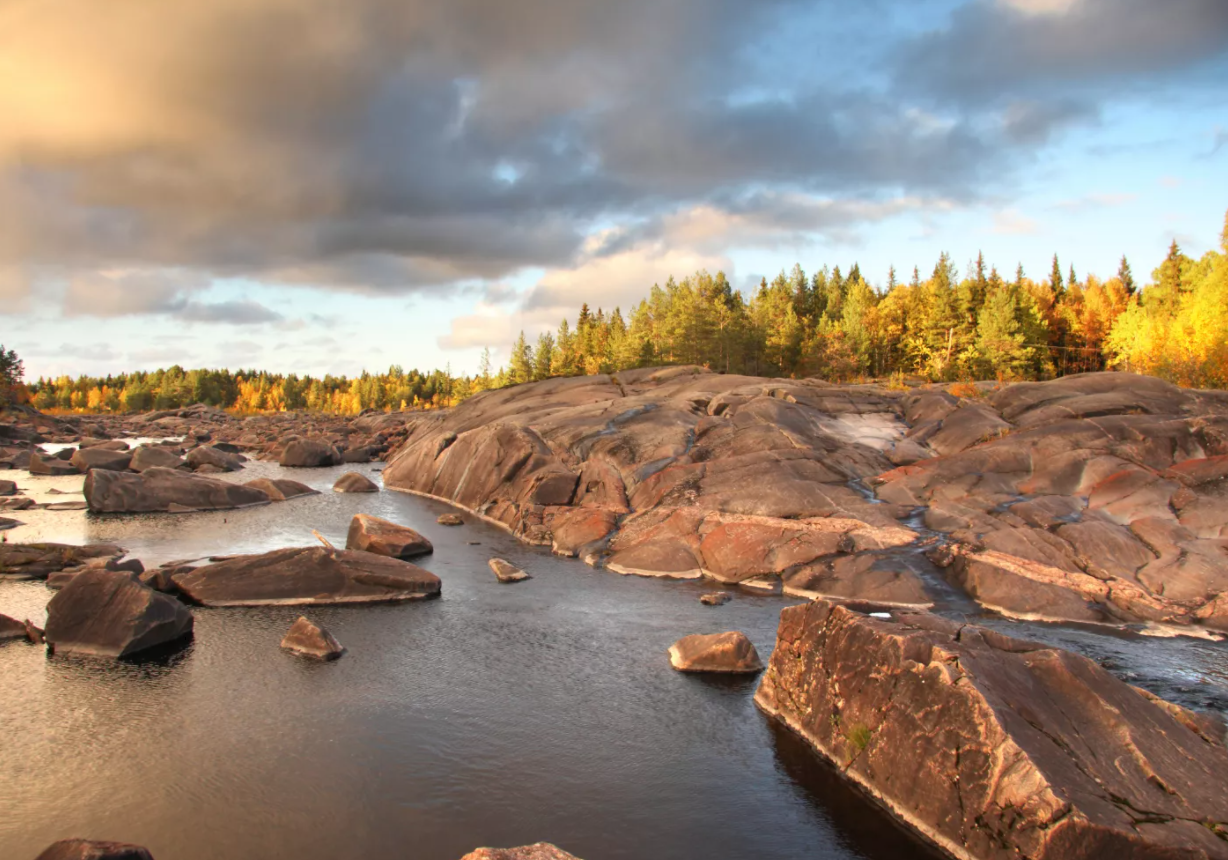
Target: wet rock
(11,628)
(308,639)
(576,531)
(450,520)
(215,458)
(310,453)
(86,849)
(305,576)
(149,456)
(353,482)
(156,489)
(78,505)
(715,598)
(281,489)
(42,465)
(382,537)
(20,561)
(728,652)
(7,488)
(538,851)
(104,613)
(1017,749)
(7,523)
(506,571)
(100,458)
(865,576)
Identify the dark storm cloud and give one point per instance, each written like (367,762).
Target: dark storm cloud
(391,146)
(1000,50)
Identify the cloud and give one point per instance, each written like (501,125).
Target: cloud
(998,52)
(139,293)
(1091,202)
(1012,223)
(241,312)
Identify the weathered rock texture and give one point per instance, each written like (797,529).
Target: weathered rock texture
(39,560)
(104,613)
(281,489)
(308,639)
(86,849)
(993,747)
(1100,497)
(310,453)
(728,652)
(372,534)
(672,472)
(159,489)
(303,576)
(539,851)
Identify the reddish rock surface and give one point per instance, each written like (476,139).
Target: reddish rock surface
(87,849)
(308,639)
(158,489)
(539,851)
(1013,749)
(353,482)
(505,571)
(382,537)
(106,613)
(727,653)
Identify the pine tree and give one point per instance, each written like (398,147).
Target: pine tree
(543,356)
(1055,279)
(1126,276)
(999,339)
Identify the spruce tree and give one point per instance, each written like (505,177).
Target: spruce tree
(1055,280)
(1126,276)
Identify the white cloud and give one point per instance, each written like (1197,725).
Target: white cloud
(1011,222)
(1041,7)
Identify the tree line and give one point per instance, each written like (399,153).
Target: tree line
(827,324)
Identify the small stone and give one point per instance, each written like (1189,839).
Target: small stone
(715,598)
(506,571)
(308,639)
(451,520)
(728,652)
(372,534)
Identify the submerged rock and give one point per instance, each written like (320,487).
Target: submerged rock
(308,639)
(539,851)
(104,613)
(372,534)
(353,482)
(157,489)
(728,652)
(450,520)
(715,598)
(87,849)
(1015,749)
(305,576)
(506,571)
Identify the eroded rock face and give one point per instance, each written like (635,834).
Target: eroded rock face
(159,489)
(305,576)
(539,851)
(1104,500)
(730,653)
(372,534)
(307,639)
(87,849)
(105,613)
(353,482)
(1014,749)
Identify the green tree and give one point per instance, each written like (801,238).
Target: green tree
(12,371)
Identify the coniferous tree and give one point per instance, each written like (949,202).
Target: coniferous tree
(1126,276)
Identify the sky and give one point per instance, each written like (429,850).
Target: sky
(311,186)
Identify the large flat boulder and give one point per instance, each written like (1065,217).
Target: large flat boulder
(150,456)
(159,489)
(105,613)
(1014,749)
(382,537)
(306,576)
(22,561)
(85,459)
(205,455)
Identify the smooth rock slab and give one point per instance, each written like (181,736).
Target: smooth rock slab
(308,639)
(539,851)
(506,571)
(310,453)
(104,613)
(156,489)
(86,849)
(728,652)
(281,489)
(353,482)
(307,576)
(1013,749)
(372,534)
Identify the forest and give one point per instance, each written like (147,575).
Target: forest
(827,324)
